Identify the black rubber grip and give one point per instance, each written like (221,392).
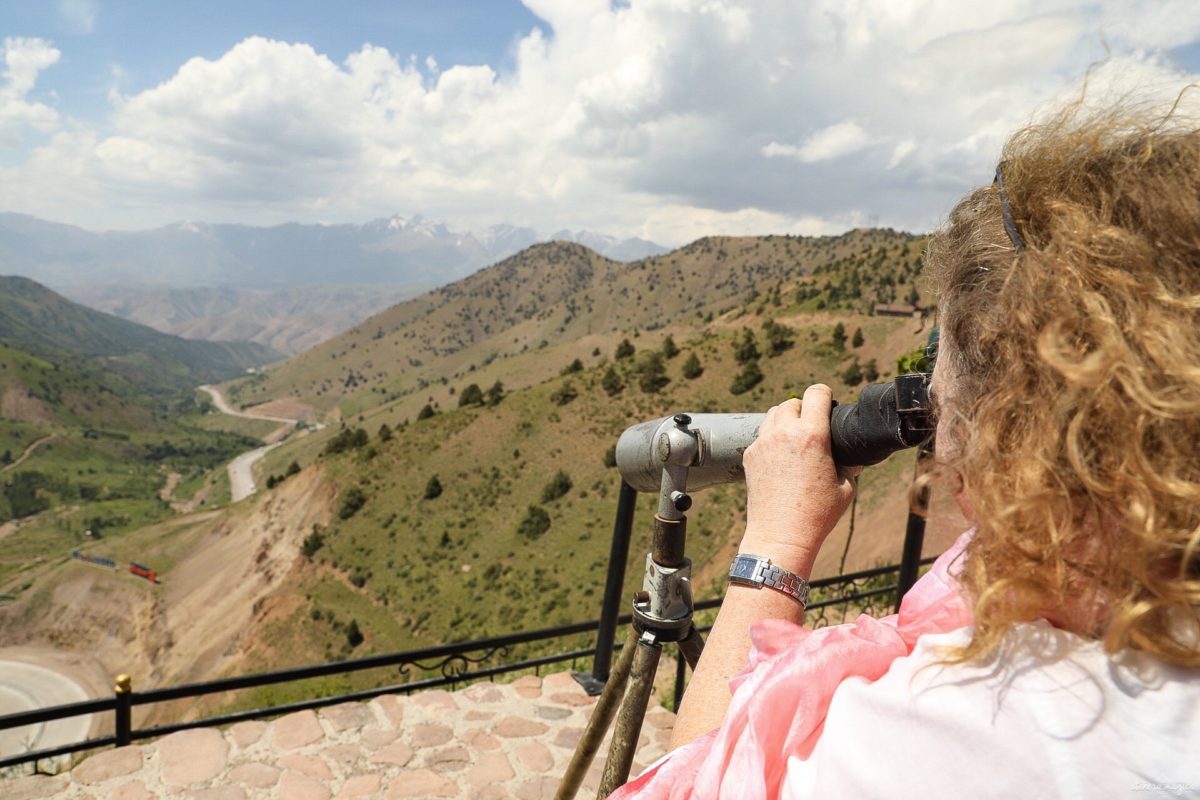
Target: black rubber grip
(866,432)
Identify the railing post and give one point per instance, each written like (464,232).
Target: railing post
(124,692)
(910,561)
(618,554)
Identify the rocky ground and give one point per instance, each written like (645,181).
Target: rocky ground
(486,741)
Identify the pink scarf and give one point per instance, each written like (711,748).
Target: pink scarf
(782,695)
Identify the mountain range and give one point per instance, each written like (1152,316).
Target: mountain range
(399,252)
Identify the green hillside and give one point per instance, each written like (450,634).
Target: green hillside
(465,467)
(39,322)
(96,413)
(492,517)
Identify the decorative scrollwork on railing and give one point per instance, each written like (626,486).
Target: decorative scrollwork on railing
(844,601)
(455,665)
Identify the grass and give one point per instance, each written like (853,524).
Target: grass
(249,428)
(413,572)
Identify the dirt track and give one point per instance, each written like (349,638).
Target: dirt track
(241,469)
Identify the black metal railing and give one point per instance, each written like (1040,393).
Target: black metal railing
(833,599)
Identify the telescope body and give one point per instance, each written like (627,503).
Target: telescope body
(716,457)
(701,450)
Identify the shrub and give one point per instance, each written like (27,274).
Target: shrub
(853,374)
(692,368)
(839,336)
(433,489)
(564,394)
(871,371)
(558,486)
(426,412)
(292,469)
(574,366)
(346,439)
(535,522)
(472,395)
(385,433)
(352,501)
(750,376)
(745,349)
(312,543)
(652,372)
(911,362)
(494,394)
(610,456)
(354,636)
(611,382)
(624,350)
(779,337)
(669,348)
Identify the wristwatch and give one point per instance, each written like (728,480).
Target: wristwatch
(757,571)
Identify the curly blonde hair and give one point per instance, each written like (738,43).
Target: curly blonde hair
(1075,364)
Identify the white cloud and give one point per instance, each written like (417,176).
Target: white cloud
(836,141)
(23,60)
(80,15)
(665,118)
(900,152)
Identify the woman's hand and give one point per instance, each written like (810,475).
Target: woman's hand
(795,493)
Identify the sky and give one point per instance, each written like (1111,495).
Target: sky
(663,119)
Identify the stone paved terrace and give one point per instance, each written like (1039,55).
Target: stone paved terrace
(485,741)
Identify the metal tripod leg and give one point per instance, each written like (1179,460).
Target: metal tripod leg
(691,646)
(597,726)
(633,712)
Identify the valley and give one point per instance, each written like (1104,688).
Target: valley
(462,484)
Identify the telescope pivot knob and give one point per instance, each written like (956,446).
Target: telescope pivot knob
(681,501)
(682,420)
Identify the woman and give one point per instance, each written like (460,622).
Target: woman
(1055,650)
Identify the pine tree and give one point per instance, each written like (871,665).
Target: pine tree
(857,340)
(839,336)
(624,350)
(669,348)
(750,376)
(691,367)
(426,412)
(745,349)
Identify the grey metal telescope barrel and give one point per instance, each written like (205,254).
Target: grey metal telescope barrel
(721,440)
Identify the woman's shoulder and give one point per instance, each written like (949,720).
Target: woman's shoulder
(1051,714)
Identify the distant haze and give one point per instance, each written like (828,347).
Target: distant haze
(412,253)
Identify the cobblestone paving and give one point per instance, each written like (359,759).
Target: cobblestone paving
(488,741)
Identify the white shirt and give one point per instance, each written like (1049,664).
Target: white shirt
(1075,723)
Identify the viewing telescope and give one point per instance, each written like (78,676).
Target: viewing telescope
(887,417)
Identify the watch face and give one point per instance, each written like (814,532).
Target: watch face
(743,569)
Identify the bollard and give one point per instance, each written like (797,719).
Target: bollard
(124,691)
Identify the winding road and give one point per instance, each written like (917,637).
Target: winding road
(241,469)
(25,687)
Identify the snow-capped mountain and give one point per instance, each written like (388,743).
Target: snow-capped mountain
(397,251)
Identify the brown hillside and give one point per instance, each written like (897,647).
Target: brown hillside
(562,292)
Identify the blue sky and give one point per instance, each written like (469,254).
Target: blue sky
(665,119)
(148,41)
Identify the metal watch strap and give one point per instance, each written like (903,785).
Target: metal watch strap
(757,571)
